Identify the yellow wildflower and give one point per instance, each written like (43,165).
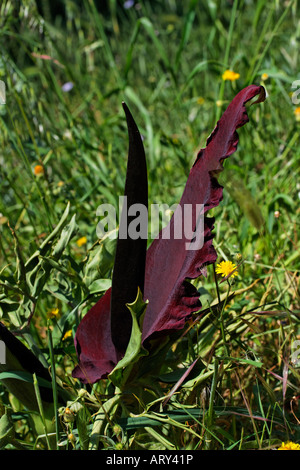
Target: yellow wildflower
(230,75)
(264,77)
(297,113)
(289,445)
(67,335)
(225,268)
(53,313)
(81,241)
(38,170)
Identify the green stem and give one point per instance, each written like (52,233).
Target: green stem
(227,352)
(54,387)
(210,414)
(41,408)
(222,325)
(216,283)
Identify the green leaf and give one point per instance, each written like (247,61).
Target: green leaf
(177,374)
(39,266)
(99,261)
(177,416)
(100,285)
(161,439)
(6,430)
(63,288)
(134,349)
(201,377)
(25,376)
(101,419)
(33,261)
(250,362)
(8,305)
(66,235)
(20,268)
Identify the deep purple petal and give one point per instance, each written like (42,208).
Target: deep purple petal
(130,259)
(103,335)
(172,300)
(96,352)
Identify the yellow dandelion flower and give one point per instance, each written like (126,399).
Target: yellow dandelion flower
(289,445)
(67,335)
(53,313)
(82,241)
(230,75)
(297,113)
(264,77)
(225,268)
(38,170)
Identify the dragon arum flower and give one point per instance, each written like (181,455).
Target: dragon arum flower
(230,75)
(227,268)
(151,296)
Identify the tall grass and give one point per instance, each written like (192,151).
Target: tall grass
(166,60)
